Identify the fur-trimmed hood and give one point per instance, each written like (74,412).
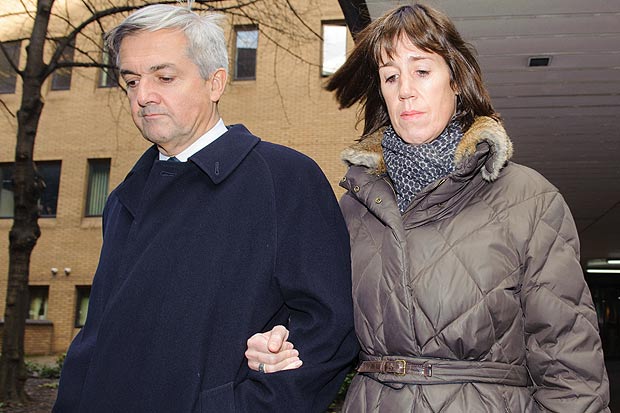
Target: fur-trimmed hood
(368,152)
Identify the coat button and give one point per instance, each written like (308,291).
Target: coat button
(377,200)
(356,188)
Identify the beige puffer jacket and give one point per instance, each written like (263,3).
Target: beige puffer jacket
(476,289)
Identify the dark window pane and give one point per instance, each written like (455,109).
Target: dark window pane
(61,78)
(246,64)
(50,172)
(245,54)
(8,77)
(37,298)
(98,178)
(81,304)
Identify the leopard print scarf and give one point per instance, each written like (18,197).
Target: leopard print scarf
(413,167)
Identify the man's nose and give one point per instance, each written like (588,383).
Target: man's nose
(146,93)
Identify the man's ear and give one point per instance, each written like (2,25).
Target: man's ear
(218,84)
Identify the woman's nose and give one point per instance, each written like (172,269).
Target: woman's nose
(407,88)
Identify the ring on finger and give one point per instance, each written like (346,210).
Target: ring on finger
(261,367)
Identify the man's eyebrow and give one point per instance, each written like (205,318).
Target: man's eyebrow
(127,72)
(161,66)
(152,69)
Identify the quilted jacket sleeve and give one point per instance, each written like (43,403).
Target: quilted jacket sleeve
(564,353)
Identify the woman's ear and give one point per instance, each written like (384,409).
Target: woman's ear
(454,86)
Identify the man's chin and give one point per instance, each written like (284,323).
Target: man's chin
(156,139)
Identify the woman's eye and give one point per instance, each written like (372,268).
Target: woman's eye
(422,73)
(391,79)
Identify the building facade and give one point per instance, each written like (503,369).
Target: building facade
(86,142)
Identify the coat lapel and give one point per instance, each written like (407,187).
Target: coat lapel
(129,192)
(223,156)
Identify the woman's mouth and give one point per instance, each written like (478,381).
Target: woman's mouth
(410,114)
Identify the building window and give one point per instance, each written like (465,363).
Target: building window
(245,53)
(81,304)
(107,77)
(334,47)
(61,78)
(37,298)
(49,172)
(98,178)
(8,76)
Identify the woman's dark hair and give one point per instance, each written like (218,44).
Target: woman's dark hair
(429,30)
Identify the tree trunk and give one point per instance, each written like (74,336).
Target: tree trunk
(25,231)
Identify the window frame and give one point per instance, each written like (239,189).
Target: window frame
(62,76)
(49,197)
(92,162)
(8,83)
(237,30)
(108,77)
(79,295)
(45,301)
(343,56)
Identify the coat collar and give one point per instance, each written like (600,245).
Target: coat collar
(223,156)
(369,154)
(482,153)
(217,160)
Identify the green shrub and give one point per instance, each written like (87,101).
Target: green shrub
(45,371)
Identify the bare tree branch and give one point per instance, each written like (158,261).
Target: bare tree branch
(10,60)
(302,20)
(280,95)
(7,108)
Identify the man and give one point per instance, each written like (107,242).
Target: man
(198,255)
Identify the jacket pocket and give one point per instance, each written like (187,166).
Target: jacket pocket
(218,399)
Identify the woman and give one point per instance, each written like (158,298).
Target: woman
(467,287)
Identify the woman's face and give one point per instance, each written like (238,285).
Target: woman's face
(416,87)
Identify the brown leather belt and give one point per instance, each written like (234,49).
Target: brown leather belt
(398,367)
(401,370)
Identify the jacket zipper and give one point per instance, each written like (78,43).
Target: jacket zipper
(441,181)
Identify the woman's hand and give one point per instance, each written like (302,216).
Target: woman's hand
(270,352)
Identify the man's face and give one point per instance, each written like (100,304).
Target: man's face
(171,103)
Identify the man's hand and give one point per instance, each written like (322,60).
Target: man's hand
(272,351)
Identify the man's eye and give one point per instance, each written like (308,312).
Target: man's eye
(166,79)
(131,83)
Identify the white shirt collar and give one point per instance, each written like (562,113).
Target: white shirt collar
(212,134)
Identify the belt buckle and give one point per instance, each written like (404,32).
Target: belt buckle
(402,366)
(428,370)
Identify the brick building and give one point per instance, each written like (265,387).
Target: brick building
(86,141)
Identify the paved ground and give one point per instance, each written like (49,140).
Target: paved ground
(42,393)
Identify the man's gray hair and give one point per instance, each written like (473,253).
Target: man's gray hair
(205,36)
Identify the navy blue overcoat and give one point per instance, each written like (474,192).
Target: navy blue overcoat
(197,257)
